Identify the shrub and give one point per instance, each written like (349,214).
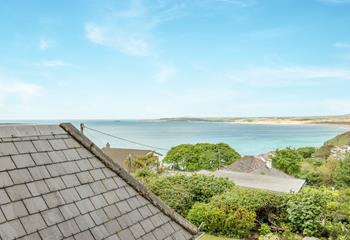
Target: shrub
(239,223)
(216,220)
(264,229)
(306,152)
(269,206)
(342,175)
(192,157)
(288,160)
(187,189)
(306,211)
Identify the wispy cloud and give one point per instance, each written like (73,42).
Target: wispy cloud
(165,73)
(286,76)
(342,45)
(51,63)
(44,44)
(126,42)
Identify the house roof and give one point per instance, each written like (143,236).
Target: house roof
(119,155)
(56,184)
(250,180)
(255,165)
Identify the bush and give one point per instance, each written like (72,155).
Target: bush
(306,152)
(269,206)
(187,189)
(264,229)
(192,157)
(306,211)
(288,160)
(215,220)
(342,175)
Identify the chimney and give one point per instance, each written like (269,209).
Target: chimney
(108,145)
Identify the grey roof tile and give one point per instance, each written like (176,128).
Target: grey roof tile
(99,216)
(3,197)
(33,223)
(108,172)
(35,204)
(113,237)
(145,212)
(84,153)
(126,234)
(159,233)
(147,225)
(56,170)
(2,217)
(149,236)
(69,211)
(11,230)
(113,226)
(84,165)
(110,184)
(53,199)
(96,163)
(55,184)
(97,174)
(18,192)
(98,187)
(6,163)
(7,149)
(70,180)
(84,236)
(5,180)
(85,206)
(99,232)
(34,236)
(39,172)
(111,197)
(71,143)
(137,230)
(68,228)
(25,147)
(52,233)
(123,206)
(85,191)
(20,176)
(71,154)
(52,216)
(122,193)
(23,160)
(98,201)
(41,158)
(57,156)
(14,210)
(71,167)
(38,188)
(85,177)
(84,222)
(70,195)
(112,211)
(58,144)
(42,145)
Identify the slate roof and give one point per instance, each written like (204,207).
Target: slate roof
(56,184)
(255,165)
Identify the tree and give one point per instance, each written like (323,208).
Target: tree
(192,157)
(342,175)
(288,160)
(149,161)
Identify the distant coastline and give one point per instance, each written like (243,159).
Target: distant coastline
(324,120)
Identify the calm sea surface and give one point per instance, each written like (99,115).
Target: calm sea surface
(245,138)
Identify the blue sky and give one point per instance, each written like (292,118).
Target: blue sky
(163,58)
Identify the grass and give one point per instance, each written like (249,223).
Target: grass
(211,237)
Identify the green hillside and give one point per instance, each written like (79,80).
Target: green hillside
(324,151)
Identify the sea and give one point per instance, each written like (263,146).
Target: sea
(247,139)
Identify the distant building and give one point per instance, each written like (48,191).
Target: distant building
(339,152)
(259,165)
(119,155)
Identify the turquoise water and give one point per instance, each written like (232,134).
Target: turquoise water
(245,138)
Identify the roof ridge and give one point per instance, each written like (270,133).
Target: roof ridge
(140,188)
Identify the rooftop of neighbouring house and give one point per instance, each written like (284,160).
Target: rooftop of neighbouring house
(56,184)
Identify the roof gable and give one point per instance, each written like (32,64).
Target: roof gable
(55,183)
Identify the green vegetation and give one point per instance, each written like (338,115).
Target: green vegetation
(149,161)
(192,157)
(324,151)
(211,237)
(288,160)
